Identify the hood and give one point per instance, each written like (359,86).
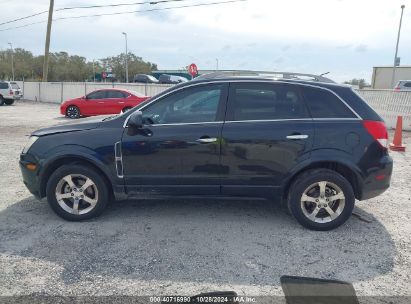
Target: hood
(84,124)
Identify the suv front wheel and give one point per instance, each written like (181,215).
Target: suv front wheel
(321,199)
(76,192)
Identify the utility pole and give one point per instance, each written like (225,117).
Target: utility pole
(396,49)
(94,72)
(12,60)
(125,36)
(47,47)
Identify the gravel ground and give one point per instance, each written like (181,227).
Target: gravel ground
(186,247)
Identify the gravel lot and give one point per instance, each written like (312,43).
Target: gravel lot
(186,247)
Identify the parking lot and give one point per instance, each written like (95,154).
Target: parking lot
(176,246)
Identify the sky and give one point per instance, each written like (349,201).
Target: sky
(344,37)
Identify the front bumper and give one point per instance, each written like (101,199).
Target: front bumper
(30,178)
(378,180)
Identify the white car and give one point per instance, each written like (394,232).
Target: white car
(403,85)
(9,92)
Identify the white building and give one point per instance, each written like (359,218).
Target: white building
(382,76)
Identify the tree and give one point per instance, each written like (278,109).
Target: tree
(136,65)
(361,83)
(66,67)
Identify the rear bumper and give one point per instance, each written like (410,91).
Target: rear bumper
(378,180)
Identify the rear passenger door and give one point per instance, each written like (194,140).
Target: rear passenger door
(94,103)
(267,132)
(114,102)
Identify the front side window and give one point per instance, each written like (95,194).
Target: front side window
(324,104)
(14,86)
(97,95)
(407,84)
(262,101)
(191,105)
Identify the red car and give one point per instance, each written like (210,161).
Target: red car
(101,102)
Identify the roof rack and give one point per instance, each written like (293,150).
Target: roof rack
(275,75)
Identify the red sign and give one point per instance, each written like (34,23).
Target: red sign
(192,69)
(104,75)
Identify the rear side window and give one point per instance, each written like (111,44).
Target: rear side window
(115,94)
(407,84)
(97,95)
(14,86)
(262,101)
(4,85)
(324,104)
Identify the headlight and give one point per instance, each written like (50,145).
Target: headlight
(31,141)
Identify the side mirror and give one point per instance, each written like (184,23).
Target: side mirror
(136,120)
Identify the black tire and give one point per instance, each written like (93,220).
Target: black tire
(101,196)
(1,100)
(299,208)
(73,112)
(9,102)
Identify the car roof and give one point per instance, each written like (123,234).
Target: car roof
(138,94)
(269,79)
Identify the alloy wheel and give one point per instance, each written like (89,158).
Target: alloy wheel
(76,194)
(73,112)
(322,202)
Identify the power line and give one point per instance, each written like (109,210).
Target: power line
(127,12)
(118,4)
(149,10)
(91,6)
(22,18)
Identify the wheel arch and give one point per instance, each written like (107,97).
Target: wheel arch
(71,159)
(347,171)
(72,105)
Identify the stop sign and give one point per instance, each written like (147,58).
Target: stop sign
(192,69)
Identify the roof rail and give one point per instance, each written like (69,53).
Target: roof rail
(276,75)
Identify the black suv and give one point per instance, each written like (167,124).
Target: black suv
(314,146)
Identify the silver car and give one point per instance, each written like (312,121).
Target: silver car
(403,85)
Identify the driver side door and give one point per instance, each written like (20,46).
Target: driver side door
(178,149)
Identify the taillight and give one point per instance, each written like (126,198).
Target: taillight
(11,92)
(397,89)
(378,131)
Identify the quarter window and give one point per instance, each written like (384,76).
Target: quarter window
(260,101)
(191,105)
(4,85)
(324,104)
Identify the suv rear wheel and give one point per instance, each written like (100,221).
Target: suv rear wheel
(77,192)
(1,100)
(321,199)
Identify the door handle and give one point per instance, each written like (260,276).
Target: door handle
(297,136)
(206,140)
